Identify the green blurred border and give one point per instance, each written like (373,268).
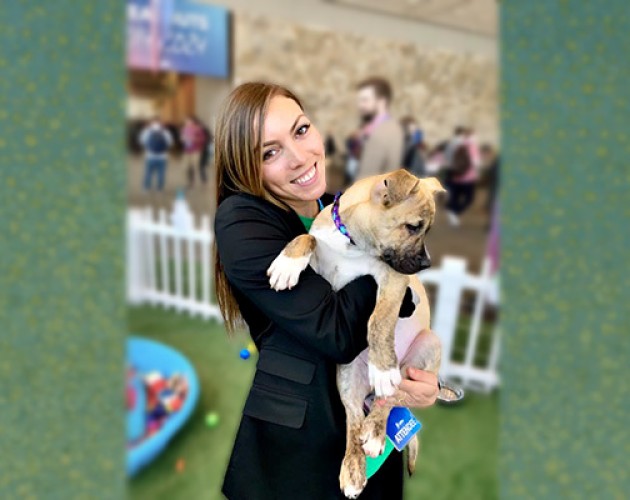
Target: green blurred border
(62,238)
(566,235)
(565,75)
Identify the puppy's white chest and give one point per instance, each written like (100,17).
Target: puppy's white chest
(338,261)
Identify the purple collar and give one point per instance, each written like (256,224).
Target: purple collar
(337,219)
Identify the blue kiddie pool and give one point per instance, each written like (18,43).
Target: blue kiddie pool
(146,356)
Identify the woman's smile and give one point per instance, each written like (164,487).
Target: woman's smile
(308,178)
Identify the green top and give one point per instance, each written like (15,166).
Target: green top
(307,221)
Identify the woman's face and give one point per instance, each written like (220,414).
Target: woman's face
(293,154)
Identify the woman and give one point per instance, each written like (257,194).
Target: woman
(269,162)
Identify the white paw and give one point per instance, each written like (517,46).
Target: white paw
(284,272)
(352,479)
(384,382)
(351,491)
(373,447)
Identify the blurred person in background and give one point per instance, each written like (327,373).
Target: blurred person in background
(491,162)
(459,135)
(270,177)
(207,146)
(353,153)
(436,159)
(193,139)
(413,157)
(381,136)
(156,140)
(462,162)
(330,145)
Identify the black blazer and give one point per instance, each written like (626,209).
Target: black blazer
(291,439)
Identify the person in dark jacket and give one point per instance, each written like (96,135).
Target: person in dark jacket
(413,158)
(270,179)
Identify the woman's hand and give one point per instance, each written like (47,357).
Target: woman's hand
(419,391)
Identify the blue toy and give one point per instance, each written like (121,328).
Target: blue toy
(245,354)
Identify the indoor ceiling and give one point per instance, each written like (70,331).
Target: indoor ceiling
(475,16)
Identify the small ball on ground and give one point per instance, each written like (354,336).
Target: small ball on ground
(245,354)
(212,419)
(180,465)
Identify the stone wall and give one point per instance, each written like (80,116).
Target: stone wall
(441,88)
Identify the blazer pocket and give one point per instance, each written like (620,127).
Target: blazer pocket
(286,366)
(276,408)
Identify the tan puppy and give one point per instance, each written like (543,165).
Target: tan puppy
(386,218)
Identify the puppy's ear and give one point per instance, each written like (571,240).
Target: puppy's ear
(395,187)
(433,186)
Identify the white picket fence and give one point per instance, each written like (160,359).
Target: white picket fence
(451,279)
(169,265)
(159,279)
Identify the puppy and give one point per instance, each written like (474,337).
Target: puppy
(377,227)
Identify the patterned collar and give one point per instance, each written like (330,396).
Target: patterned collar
(337,219)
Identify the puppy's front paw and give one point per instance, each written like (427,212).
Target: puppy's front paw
(352,479)
(284,272)
(385,381)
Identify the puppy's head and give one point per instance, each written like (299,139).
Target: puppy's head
(404,210)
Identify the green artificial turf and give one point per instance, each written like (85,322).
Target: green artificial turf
(458,444)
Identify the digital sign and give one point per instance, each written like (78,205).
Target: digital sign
(178,35)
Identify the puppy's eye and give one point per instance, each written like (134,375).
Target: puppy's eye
(414,228)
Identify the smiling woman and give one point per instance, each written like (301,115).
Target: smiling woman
(270,162)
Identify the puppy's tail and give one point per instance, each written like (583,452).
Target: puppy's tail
(412,454)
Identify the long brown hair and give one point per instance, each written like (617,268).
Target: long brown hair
(238,165)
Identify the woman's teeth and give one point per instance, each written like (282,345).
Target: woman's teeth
(306,177)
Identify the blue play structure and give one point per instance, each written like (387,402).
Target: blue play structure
(145,356)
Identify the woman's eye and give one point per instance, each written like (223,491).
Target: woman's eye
(303,129)
(414,228)
(270,153)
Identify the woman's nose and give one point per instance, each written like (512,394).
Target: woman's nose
(297,155)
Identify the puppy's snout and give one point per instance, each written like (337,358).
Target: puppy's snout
(407,262)
(425,258)
(389,255)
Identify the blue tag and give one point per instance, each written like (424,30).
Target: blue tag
(401,427)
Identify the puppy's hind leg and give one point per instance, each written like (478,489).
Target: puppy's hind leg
(353,388)
(413,448)
(425,353)
(284,271)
